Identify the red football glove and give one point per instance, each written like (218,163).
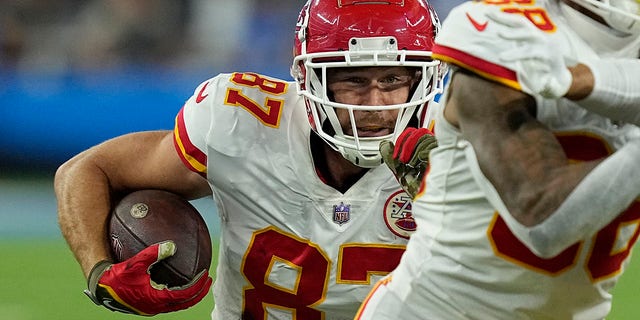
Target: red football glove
(409,158)
(127,286)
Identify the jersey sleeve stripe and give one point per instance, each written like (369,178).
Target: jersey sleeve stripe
(190,155)
(477,65)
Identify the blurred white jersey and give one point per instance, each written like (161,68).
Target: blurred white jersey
(291,247)
(463,262)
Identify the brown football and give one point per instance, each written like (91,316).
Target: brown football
(145,217)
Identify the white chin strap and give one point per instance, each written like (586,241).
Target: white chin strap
(361,158)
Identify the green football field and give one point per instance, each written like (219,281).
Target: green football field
(41,280)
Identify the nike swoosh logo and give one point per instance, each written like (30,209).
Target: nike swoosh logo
(201,96)
(479,26)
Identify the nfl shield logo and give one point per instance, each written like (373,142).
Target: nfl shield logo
(341,213)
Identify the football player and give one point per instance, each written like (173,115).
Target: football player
(309,217)
(530,208)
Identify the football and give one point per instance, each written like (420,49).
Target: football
(145,217)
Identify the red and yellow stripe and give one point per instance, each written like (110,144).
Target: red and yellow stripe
(191,156)
(479,66)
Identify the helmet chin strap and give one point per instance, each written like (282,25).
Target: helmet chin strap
(359,159)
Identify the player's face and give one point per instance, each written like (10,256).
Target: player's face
(371,86)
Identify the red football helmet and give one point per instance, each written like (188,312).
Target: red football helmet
(357,33)
(612,27)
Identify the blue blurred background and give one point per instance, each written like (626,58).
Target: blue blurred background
(74,73)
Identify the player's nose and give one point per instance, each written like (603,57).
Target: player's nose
(375,97)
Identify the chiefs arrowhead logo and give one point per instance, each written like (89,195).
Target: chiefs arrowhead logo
(201,96)
(479,26)
(398,214)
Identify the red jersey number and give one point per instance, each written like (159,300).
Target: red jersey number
(309,272)
(270,111)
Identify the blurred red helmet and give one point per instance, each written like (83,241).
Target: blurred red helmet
(356,33)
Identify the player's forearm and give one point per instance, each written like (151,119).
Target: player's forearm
(515,152)
(615,89)
(529,171)
(598,199)
(548,202)
(83,206)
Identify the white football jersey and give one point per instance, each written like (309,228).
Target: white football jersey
(463,262)
(291,247)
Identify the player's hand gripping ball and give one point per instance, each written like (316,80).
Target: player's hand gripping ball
(127,286)
(162,252)
(408,159)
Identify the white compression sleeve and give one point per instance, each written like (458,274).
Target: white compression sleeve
(598,199)
(616,94)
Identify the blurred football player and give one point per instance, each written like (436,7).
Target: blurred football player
(530,207)
(310,219)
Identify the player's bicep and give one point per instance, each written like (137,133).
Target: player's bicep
(148,160)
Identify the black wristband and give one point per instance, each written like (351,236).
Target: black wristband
(93,279)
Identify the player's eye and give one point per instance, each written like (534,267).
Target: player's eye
(395,81)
